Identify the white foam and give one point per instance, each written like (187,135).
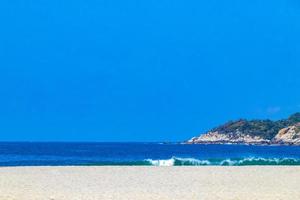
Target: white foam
(165,163)
(193,161)
(226,162)
(182,161)
(259,159)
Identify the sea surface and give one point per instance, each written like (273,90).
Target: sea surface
(148,154)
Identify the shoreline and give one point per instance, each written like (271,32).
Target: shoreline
(149,182)
(245,144)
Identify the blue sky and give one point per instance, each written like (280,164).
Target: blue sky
(112,70)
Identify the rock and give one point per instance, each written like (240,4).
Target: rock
(289,135)
(257,132)
(231,138)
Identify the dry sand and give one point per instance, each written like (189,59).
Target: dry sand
(143,183)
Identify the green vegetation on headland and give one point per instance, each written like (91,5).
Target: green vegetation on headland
(285,131)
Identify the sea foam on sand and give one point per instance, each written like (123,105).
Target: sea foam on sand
(145,183)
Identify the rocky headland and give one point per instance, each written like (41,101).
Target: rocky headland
(253,132)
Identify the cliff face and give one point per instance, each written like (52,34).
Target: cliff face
(253,132)
(288,135)
(231,138)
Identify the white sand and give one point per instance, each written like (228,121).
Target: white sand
(143,183)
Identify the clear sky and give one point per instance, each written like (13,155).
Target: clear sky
(136,70)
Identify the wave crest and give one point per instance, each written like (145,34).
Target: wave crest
(175,161)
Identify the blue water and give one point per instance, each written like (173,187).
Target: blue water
(61,154)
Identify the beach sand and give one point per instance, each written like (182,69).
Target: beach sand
(143,183)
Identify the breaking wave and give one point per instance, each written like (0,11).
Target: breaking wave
(175,161)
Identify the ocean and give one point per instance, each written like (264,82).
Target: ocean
(148,154)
